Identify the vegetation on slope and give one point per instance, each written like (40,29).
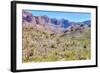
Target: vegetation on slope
(45,46)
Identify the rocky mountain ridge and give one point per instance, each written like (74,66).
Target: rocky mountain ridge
(53,24)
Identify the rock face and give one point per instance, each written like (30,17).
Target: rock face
(52,23)
(26,16)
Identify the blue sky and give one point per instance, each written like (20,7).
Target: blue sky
(71,16)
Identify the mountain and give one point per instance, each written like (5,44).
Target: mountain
(53,24)
(26,16)
(88,22)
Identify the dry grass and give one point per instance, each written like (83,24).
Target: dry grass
(43,46)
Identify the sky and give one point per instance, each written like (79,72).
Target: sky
(71,16)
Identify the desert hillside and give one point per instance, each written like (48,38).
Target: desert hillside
(46,39)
